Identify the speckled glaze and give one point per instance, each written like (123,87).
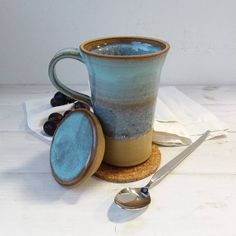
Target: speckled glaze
(124,75)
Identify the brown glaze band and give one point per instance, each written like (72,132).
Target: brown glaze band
(148,102)
(87,46)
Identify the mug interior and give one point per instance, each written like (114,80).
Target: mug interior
(128,49)
(125,47)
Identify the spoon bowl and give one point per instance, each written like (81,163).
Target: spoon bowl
(138,198)
(132,198)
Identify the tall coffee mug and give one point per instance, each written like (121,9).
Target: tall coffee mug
(124,75)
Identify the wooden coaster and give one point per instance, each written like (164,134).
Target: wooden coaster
(130,174)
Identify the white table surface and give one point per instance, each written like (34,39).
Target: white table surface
(198,198)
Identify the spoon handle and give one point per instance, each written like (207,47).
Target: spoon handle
(166,169)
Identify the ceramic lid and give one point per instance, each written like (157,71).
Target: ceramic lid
(77,148)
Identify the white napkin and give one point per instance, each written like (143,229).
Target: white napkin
(178,119)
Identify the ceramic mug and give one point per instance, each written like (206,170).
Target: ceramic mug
(124,75)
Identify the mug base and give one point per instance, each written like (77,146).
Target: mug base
(129,152)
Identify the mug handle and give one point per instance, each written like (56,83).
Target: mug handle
(73,53)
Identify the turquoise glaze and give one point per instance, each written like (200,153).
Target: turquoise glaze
(70,151)
(124,94)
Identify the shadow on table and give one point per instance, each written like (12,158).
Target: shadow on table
(33,184)
(118,215)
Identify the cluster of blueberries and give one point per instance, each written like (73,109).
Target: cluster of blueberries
(55,118)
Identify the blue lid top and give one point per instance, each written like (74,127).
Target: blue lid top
(73,147)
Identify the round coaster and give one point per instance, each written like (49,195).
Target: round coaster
(130,174)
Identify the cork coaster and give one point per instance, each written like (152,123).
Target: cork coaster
(130,174)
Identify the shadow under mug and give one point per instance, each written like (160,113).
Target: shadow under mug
(124,75)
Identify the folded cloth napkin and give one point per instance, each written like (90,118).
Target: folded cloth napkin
(178,119)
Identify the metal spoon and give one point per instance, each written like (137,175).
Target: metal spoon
(137,198)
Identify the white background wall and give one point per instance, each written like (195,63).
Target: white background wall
(202,35)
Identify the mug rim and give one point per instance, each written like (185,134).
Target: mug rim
(87,45)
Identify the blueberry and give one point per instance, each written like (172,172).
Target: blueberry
(57,117)
(67,112)
(80,104)
(70,100)
(49,127)
(61,99)
(53,102)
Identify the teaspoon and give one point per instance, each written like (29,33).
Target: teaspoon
(138,198)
